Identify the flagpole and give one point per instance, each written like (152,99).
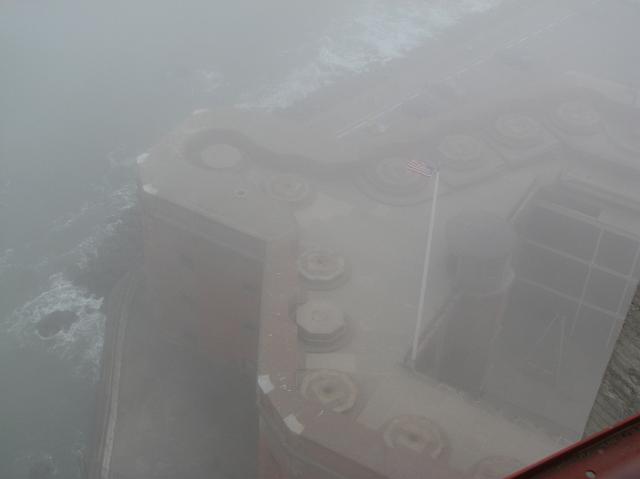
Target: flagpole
(425,270)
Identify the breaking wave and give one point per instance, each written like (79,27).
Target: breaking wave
(81,344)
(379,32)
(81,231)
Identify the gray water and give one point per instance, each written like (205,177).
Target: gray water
(83,90)
(85,87)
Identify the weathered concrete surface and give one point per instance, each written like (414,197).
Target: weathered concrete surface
(168,412)
(619,394)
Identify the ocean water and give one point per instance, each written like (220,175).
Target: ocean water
(85,89)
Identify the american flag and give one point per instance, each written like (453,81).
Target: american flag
(420,167)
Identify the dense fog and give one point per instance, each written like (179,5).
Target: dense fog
(364,238)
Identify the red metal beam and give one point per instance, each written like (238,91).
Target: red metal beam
(613,453)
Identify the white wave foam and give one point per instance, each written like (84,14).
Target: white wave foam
(65,221)
(79,254)
(381,32)
(106,210)
(82,343)
(98,219)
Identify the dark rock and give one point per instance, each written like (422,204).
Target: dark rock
(53,323)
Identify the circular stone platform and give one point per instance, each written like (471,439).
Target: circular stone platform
(290,188)
(220,156)
(333,389)
(417,433)
(518,130)
(396,180)
(323,269)
(577,117)
(322,325)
